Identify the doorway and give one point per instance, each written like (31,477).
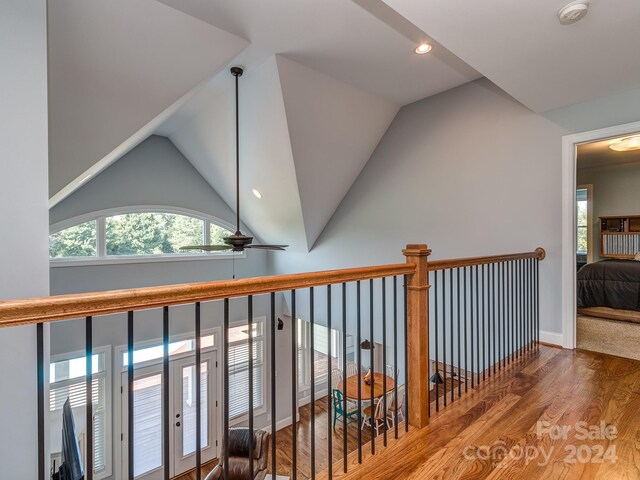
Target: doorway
(148,435)
(571,144)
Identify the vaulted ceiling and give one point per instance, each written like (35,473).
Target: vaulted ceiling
(323,80)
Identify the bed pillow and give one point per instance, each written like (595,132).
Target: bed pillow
(637,257)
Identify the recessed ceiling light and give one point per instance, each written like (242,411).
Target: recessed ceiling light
(256,193)
(423,48)
(626,144)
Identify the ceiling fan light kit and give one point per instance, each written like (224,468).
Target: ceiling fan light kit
(237,242)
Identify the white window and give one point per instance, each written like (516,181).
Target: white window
(582,225)
(67,380)
(322,339)
(239,369)
(118,235)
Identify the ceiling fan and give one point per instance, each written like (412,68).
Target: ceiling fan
(238,241)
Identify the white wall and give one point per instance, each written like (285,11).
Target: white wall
(616,191)
(469,172)
(24,219)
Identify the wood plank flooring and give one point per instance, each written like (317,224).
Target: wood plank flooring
(528,421)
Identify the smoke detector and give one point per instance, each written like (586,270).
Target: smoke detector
(573,12)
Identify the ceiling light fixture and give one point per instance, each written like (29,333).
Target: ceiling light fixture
(256,193)
(626,144)
(423,48)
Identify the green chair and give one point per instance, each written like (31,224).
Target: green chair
(338,409)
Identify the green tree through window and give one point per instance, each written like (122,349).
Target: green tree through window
(77,241)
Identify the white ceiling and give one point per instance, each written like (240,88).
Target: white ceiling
(521,46)
(337,38)
(598,154)
(113,67)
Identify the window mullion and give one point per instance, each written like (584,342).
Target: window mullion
(101,237)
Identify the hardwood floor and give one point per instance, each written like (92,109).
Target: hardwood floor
(525,424)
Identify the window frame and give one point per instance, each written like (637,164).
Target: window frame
(589,226)
(108,406)
(101,257)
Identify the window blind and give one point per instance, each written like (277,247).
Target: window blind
(75,390)
(239,374)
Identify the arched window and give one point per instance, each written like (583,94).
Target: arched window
(134,233)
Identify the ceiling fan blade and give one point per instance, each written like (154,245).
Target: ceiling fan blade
(207,248)
(268,247)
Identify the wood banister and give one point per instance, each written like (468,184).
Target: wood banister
(539,253)
(63,307)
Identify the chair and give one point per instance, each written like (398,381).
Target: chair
(379,415)
(393,372)
(336,378)
(338,409)
(352,369)
(392,407)
(239,455)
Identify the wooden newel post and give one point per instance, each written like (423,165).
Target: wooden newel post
(418,334)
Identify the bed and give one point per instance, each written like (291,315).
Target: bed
(610,283)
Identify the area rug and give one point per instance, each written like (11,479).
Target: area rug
(608,336)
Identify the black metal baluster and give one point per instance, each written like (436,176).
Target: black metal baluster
(471,324)
(344,377)
(466,365)
(485,321)
(436,377)
(501,318)
(89,396)
(444,340)
(273,384)
(250,380)
(130,449)
(531,307)
(312,369)
(537,302)
(329,386)
(459,332)
(384,357)
(225,391)
(294,387)
(165,391)
(495,335)
(395,354)
(520,309)
(453,389)
(478,329)
(372,419)
(406,359)
(42,461)
(359,367)
(198,394)
(513,311)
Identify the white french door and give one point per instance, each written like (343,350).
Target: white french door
(184,412)
(147,422)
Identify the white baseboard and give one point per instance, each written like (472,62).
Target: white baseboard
(551,338)
(285,422)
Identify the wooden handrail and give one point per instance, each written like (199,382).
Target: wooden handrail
(63,307)
(433,265)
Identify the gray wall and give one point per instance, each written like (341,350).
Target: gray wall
(23,212)
(616,191)
(469,172)
(156,173)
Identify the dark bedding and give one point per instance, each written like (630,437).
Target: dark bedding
(610,283)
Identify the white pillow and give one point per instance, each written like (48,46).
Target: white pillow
(637,257)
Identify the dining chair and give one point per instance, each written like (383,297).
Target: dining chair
(338,409)
(392,407)
(379,415)
(336,378)
(352,369)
